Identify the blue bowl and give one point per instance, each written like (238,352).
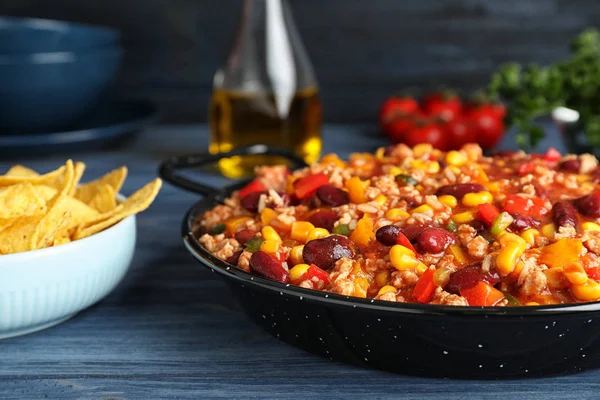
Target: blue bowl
(51,90)
(31,35)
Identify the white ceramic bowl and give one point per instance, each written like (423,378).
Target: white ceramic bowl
(45,287)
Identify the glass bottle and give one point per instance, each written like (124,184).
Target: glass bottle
(266,93)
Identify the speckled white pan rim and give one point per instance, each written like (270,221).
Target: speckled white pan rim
(7,259)
(210,261)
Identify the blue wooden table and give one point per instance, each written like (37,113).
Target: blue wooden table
(171,329)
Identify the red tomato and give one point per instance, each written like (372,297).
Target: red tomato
(533,206)
(442,105)
(526,168)
(396,107)
(400,126)
(460,132)
(305,187)
(423,291)
(429,133)
(489,127)
(403,240)
(552,155)
(313,271)
(254,186)
(488,213)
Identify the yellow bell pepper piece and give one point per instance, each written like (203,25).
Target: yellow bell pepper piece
(363,233)
(356,189)
(562,253)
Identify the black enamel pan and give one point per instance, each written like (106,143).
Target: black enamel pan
(427,340)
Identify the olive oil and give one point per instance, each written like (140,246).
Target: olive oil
(241,119)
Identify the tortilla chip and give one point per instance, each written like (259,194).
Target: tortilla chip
(55,223)
(21,171)
(115,179)
(62,240)
(104,200)
(21,200)
(137,202)
(45,192)
(78,170)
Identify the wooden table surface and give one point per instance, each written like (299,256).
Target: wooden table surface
(171,329)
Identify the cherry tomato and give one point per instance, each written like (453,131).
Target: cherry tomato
(489,128)
(443,105)
(431,133)
(396,107)
(460,131)
(400,126)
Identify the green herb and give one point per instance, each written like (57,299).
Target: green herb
(253,245)
(512,301)
(533,91)
(217,229)
(406,179)
(452,227)
(341,229)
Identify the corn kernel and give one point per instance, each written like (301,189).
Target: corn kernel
(589,291)
(267,215)
(455,169)
(480,175)
(507,258)
(431,167)
(529,236)
(316,233)
(448,200)
(382,277)
(298,271)
(270,234)
(387,289)
(396,214)
(423,209)
(380,153)
(300,230)
(575,274)
(295,256)
(396,171)
(456,158)
(381,199)
(401,258)
(549,230)
(492,186)
(532,303)
(422,149)
(270,246)
(463,217)
(475,199)
(360,287)
(590,226)
(507,237)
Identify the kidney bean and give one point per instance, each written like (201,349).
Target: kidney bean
(233,259)
(244,235)
(389,150)
(250,201)
(564,214)
(434,240)
(571,165)
(589,205)
(468,277)
(332,196)
(387,235)
(478,225)
(285,201)
(412,231)
(522,222)
(540,191)
(326,251)
(323,219)
(460,189)
(504,153)
(266,266)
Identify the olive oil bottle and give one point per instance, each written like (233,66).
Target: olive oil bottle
(266,93)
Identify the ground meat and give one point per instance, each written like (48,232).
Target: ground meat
(404,279)
(273,177)
(588,163)
(389,296)
(465,234)
(341,282)
(244,260)
(221,247)
(478,247)
(440,296)
(534,282)
(593,242)
(217,215)
(565,232)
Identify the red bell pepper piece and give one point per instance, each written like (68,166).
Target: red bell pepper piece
(526,168)
(488,213)
(403,240)
(482,295)
(593,273)
(423,291)
(313,271)
(254,186)
(533,206)
(552,155)
(305,187)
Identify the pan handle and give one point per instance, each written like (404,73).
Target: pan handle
(168,169)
